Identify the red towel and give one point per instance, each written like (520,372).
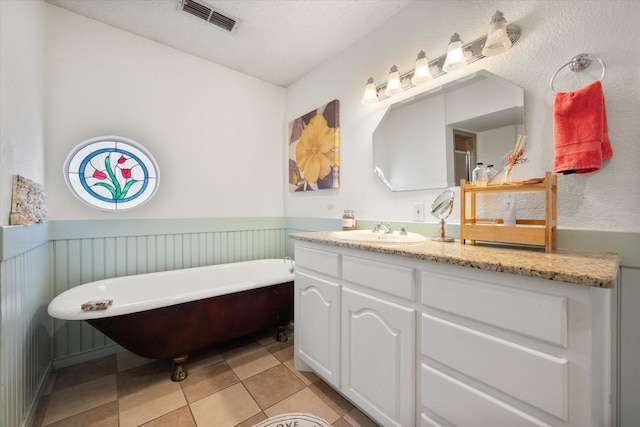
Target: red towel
(581,135)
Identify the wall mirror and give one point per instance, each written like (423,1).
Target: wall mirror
(435,138)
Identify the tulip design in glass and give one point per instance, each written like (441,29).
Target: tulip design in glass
(117,180)
(314,149)
(111,173)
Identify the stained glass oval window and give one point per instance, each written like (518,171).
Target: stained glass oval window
(111,173)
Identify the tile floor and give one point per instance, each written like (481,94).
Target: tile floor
(239,383)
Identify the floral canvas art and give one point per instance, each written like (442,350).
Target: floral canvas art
(314,149)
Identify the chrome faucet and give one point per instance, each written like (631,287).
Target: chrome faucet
(288,258)
(380,227)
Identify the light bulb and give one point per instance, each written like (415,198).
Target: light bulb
(455,57)
(393,85)
(422,72)
(498,40)
(370,93)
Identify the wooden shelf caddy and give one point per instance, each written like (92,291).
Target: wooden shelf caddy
(537,232)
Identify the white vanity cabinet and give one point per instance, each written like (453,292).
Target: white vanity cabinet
(378,339)
(317,313)
(357,337)
(417,342)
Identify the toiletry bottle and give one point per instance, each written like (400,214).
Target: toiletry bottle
(509,215)
(348,220)
(491,172)
(479,176)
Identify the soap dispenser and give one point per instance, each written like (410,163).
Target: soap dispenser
(509,216)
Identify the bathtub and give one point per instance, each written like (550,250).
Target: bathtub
(167,315)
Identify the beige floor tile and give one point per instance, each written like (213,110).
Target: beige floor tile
(253,420)
(356,418)
(238,347)
(181,417)
(273,385)
(150,402)
(306,377)
(85,371)
(127,360)
(202,358)
(341,423)
(73,400)
(102,416)
(265,337)
(282,353)
(225,408)
(251,363)
(208,380)
(148,375)
(331,397)
(304,401)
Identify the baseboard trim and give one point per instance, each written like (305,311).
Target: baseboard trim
(85,356)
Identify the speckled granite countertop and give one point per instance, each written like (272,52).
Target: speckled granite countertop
(598,269)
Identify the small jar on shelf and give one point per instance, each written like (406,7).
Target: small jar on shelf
(348,220)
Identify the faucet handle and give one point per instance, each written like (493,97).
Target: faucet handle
(403,230)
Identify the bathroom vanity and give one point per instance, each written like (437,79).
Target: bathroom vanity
(441,334)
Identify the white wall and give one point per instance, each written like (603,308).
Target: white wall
(552,33)
(22,45)
(217,135)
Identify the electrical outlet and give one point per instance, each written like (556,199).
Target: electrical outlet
(419,211)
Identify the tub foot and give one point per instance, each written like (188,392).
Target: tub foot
(282,334)
(179,371)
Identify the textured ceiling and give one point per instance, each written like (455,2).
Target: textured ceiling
(277,41)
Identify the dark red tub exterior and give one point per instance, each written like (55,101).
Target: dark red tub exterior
(174,331)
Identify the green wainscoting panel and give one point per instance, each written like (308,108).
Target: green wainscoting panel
(620,242)
(25,326)
(298,225)
(17,239)
(77,229)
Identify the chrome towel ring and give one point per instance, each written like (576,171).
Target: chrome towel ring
(579,63)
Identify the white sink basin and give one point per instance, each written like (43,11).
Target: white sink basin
(370,236)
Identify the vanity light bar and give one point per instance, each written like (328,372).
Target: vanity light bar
(473,53)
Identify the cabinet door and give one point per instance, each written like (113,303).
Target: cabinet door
(317,325)
(378,357)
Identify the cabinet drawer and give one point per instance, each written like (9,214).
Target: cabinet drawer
(529,375)
(537,315)
(323,262)
(392,279)
(462,405)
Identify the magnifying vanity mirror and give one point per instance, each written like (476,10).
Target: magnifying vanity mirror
(441,209)
(435,138)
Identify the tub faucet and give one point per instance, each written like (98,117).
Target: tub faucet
(288,258)
(380,227)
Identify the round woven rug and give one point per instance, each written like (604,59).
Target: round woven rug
(294,420)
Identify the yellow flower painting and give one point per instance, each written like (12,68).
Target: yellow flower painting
(314,149)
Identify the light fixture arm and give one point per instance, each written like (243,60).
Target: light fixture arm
(474,47)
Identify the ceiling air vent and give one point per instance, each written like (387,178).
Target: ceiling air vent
(209,14)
